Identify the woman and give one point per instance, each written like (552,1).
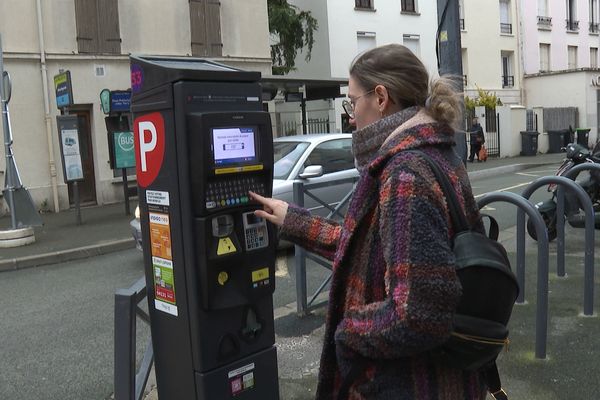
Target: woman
(394,289)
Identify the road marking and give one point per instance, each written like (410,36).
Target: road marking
(504,189)
(525,174)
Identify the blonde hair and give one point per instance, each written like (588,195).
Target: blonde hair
(407,82)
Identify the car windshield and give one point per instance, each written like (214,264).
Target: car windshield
(286,155)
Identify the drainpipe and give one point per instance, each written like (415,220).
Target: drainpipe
(47,117)
(521,50)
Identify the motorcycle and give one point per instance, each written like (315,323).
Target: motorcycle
(576,154)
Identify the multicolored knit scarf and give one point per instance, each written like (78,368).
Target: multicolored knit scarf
(367,141)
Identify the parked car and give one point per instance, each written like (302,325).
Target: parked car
(311,158)
(314,158)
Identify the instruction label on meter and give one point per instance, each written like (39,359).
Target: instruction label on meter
(160,235)
(164,286)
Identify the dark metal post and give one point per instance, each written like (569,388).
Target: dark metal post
(450,58)
(541,316)
(126,191)
(300,259)
(586,204)
(303,107)
(125,304)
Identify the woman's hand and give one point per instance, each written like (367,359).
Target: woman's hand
(274,210)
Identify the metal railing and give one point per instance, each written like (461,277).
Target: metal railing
(506,28)
(572,25)
(303,305)
(508,81)
(544,22)
(594,27)
(462,24)
(130,385)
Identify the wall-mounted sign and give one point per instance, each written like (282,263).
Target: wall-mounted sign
(68,132)
(64,90)
(105,101)
(124,150)
(120,100)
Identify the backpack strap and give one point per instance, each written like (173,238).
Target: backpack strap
(492,380)
(459,221)
(494,231)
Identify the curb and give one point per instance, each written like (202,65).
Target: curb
(66,255)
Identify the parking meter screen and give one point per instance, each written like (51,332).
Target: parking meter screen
(234,145)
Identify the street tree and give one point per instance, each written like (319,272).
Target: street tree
(291,30)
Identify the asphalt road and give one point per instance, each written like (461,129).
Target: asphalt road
(56,329)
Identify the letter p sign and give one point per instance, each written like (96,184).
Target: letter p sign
(149,136)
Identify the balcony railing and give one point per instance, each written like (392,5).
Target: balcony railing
(508,81)
(544,22)
(462,24)
(572,26)
(594,27)
(464,80)
(506,28)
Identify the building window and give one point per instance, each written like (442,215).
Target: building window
(544,57)
(409,6)
(205,27)
(413,43)
(544,20)
(368,4)
(543,8)
(572,24)
(593,57)
(465,66)
(572,57)
(98,26)
(508,78)
(365,41)
(461,14)
(594,16)
(505,20)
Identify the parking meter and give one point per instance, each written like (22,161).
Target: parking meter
(202,142)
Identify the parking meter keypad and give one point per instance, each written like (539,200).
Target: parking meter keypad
(232,192)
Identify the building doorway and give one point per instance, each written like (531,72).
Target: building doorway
(87,187)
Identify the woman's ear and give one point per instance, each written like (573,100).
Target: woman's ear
(383,97)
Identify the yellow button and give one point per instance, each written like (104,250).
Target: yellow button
(223,278)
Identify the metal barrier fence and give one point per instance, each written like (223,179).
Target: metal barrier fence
(130,385)
(303,305)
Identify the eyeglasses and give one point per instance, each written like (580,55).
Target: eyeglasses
(348,106)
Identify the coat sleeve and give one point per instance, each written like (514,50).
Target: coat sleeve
(316,234)
(422,289)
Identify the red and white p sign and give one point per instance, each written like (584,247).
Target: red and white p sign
(149,137)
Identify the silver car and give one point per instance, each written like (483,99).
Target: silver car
(314,158)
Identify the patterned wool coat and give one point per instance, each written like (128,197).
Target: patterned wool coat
(394,288)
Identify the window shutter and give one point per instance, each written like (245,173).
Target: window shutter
(87,26)
(213,28)
(205,28)
(197,28)
(108,23)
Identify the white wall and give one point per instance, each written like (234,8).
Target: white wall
(484,43)
(512,122)
(572,89)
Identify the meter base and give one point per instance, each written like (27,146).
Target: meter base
(253,377)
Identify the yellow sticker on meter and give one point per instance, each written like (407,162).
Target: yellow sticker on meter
(233,170)
(260,275)
(225,246)
(223,278)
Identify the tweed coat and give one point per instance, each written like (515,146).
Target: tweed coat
(394,288)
